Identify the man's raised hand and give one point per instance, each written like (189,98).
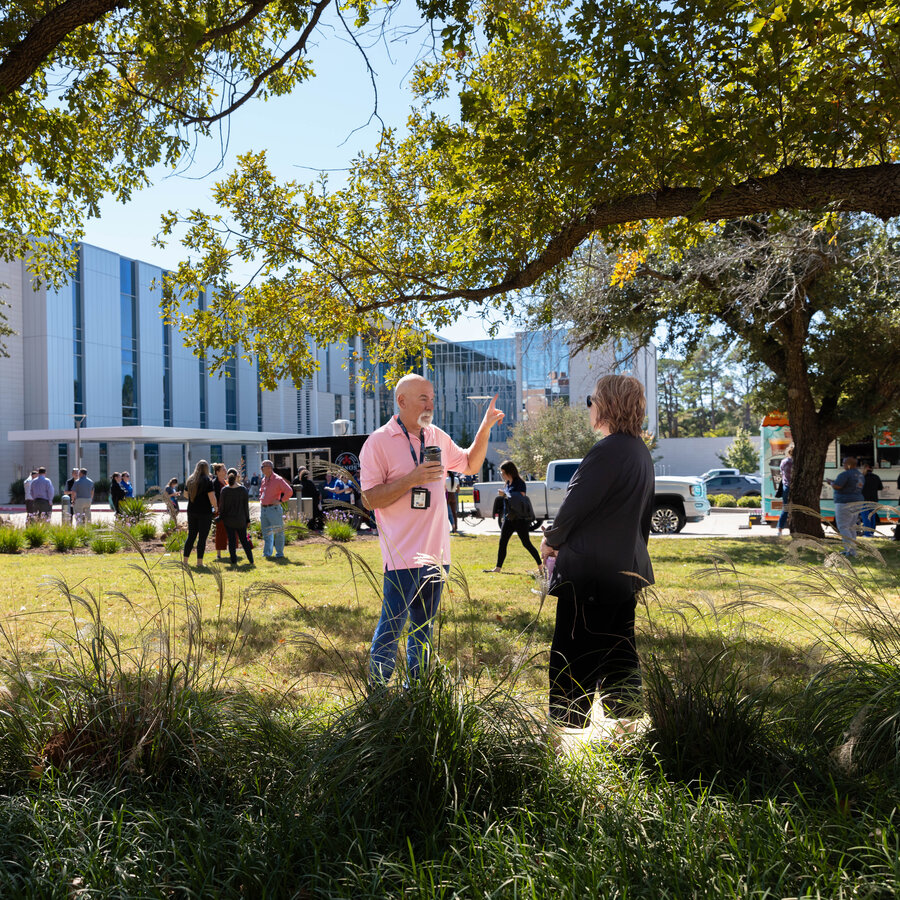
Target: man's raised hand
(492,415)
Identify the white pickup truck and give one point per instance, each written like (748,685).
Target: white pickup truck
(677,500)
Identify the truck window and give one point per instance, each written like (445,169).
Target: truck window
(564,472)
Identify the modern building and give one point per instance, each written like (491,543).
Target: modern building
(94,374)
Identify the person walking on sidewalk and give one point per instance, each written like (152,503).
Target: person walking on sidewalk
(273,491)
(517,514)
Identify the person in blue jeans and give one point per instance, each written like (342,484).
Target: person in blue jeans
(273,491)
(787,470)
(847,497)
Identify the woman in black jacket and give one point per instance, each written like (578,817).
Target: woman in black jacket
(514,519)
(234,514)
(599,539)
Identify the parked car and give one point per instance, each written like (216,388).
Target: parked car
(736,485)
(711,473)
(676,501)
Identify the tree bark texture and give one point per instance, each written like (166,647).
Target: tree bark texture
(23,59)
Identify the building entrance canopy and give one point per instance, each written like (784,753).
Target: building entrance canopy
(144,434)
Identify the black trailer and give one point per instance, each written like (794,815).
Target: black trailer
(290,455)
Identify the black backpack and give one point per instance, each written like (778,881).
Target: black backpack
(519,508)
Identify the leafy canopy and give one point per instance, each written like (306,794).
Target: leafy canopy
(575,120)
(556,432)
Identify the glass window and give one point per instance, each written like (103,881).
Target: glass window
(565,471)
(78,339)
(231,393)
(129,343)
(151,466)
(104,459)
(62,457)
(215,453)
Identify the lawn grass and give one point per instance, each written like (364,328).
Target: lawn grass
(283,779)
(311,617)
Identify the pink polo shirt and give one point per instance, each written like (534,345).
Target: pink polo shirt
(274,489)
(404,532)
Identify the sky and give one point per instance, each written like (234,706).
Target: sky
(322,125)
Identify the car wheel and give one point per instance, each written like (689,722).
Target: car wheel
(667,519)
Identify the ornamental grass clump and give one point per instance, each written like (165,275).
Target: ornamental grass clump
(134,509)
(338,527)
(296,531)
(12,540)
(144,531)
(105,543)
(154,707)
(36,534)
(64,538)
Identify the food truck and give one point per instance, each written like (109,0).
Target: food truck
(881,449)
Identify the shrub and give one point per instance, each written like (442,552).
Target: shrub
(105,544)
(64,538)
(17,492)
(749,502)
(144,531)
(722,500)
(11,539)
(36,534)
(169,525)
(135,509)
(338,528)
(175,541)
(296,531)
(86,533)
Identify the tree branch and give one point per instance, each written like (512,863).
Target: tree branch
(872,189)
(23,59)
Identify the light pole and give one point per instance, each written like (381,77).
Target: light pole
(79,421)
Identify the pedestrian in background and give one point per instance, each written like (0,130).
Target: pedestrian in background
(871,486)
(116,492)
(220,480)
(517,516)
(847,489)
(201,508)
(83,497)
(172,495)
(42,494)
(127,486)
(273,491)
(787,470)
(451,489)
(29,500)
(234,514)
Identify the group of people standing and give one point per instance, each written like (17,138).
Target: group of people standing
(857,484)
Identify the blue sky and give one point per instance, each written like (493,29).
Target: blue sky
(321,126)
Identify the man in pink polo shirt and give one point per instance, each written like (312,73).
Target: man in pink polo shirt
(273,491)
(408,491)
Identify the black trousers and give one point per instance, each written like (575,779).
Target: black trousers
(235,535)
(198,529)
(507,530)
(593,649)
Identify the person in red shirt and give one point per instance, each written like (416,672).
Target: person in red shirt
(273,491)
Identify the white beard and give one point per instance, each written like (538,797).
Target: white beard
(425,419)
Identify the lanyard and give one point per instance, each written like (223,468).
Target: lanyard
(412,452)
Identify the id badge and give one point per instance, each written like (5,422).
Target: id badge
(420,498)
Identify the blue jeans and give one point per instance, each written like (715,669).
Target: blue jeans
(412,594)
(869,522)
(271,518)
(846,516)
(785,499)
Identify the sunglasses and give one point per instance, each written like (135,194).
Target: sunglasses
(590,401)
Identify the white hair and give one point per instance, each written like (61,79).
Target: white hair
(401,385)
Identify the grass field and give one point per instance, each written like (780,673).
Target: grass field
(206,733)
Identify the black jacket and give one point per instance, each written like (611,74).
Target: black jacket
(234,506)
(603,526)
